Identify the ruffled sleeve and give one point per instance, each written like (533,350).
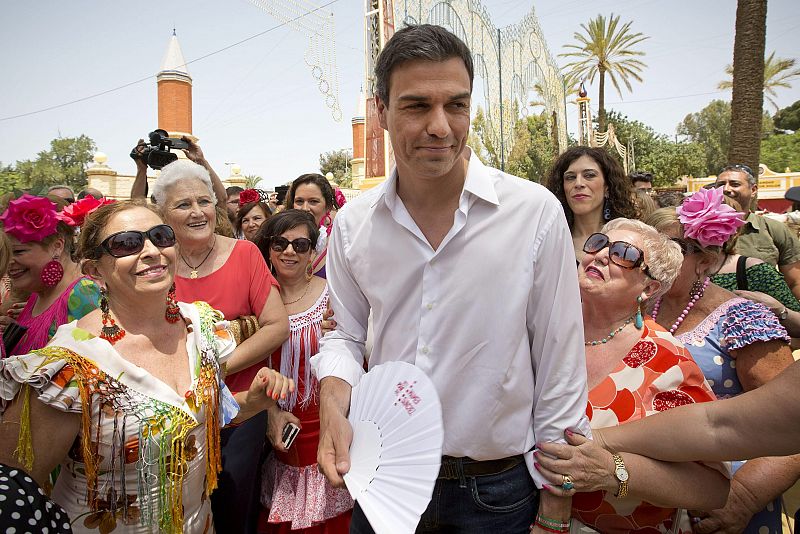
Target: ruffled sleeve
(48,372)
(748,322)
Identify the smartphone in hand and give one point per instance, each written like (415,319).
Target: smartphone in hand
(290,432)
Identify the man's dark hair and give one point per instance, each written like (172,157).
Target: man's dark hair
(641,177)
(233,190)
(425,42)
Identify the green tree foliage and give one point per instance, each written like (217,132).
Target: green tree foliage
(605,47)
(781,151)
(338,163)
(788,118)
(710,127)
(778,72)
(480,139)
(9,179)
(533,150)
(64,163)
(656,153)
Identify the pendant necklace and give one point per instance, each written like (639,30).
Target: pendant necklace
(194,269)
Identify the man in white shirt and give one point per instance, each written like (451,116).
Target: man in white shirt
(470,275)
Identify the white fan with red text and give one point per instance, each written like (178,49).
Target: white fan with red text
(397,445)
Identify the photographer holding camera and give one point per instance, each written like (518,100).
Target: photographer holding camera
(143,153)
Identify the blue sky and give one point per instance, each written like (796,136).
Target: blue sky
(256,104)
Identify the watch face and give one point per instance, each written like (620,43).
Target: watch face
(622,474)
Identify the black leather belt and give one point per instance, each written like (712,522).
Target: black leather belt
(452,467)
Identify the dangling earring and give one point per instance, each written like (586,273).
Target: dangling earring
(638,321)
(173,313)
(327,221)
(309,271)
(606,210)
(52,272)
(112,333)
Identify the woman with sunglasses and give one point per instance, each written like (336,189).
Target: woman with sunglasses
(634,369)
(231,276)
(42,243)
(129,399)
(593,189)
(740,345)
(294,493)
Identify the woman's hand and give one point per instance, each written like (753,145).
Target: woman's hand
(589,466)
(267,387)
(328,324)
(15,309)
(277,419)
(731,519)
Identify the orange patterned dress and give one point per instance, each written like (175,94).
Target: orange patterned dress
(657,374)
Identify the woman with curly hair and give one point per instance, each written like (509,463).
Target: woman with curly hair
(593,189)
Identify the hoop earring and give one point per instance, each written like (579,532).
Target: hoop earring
(638,321)
(606,210)
(112,333)
(52,272)
(327,221)
(173,313)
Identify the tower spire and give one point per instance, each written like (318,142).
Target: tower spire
(174,91)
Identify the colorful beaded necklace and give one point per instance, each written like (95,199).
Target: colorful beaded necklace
(610,334)
(696,294)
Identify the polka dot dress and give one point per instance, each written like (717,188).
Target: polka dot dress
(24,508)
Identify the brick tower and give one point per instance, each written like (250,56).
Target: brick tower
(174,92)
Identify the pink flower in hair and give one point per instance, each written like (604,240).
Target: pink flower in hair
(340,198)
(707,219)
(30,218)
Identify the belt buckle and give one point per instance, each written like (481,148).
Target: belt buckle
(449,469)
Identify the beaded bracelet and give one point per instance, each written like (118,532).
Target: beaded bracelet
(552,525)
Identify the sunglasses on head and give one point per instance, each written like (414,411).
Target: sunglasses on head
(300,245)
(620,253)
(737,167)
(131,242)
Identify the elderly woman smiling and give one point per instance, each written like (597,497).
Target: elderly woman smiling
(232,276)
(635,368)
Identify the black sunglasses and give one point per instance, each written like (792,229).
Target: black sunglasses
(300,245)
(620,253)
(131,242)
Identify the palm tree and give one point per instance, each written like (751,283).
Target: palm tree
(606,49)
(777,73)
(747,102)
(251,181)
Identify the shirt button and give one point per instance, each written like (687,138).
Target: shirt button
(429,306)
(424,350)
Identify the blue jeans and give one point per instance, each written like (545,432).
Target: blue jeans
(505,503)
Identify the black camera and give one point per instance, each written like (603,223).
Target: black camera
(157,153)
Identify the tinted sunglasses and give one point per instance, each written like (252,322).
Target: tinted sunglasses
(620,253)
(300,245)
(131,242)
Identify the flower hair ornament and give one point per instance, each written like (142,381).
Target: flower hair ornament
(707,219)
(340,198)
(252,195)
(30,218)
(76,213)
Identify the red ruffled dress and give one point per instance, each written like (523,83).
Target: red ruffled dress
(295,495)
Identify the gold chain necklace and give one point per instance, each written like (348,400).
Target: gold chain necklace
(305,292)
(194,269)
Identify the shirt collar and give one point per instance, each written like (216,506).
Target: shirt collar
(478,182)
(754,221)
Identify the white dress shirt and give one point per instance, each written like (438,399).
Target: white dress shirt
(493,316)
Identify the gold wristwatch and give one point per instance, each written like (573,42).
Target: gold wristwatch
(622,476)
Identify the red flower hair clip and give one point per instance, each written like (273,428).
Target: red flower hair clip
(30,218)
(252,195)
(76,213)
